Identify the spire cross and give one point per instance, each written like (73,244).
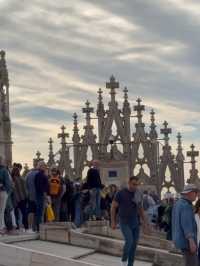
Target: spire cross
(139,108)
(50,144)
(112,85)
(63,135)
(166,131)
(193,154)
(88,110)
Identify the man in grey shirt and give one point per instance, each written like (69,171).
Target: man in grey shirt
(129,202)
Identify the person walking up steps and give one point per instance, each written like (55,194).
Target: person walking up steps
(129,201)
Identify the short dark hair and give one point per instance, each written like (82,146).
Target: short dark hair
(135,178)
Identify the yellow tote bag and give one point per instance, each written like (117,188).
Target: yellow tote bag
(49,213)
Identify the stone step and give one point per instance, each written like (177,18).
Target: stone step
(145,240)
(19,237)
(43,253)
(108,246)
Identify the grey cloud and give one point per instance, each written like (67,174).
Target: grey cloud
(86,49)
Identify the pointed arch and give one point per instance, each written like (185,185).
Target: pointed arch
(140,151)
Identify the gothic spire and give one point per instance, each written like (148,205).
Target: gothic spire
(139,109)
(51,160)
(100,105)
(166,131)
(76,137)
(193,172)
(153,133)
(3,70)
(126,105)
(112,85)
(63,137)
(180,156)
(88,110)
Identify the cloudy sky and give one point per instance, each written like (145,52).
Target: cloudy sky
(60,52)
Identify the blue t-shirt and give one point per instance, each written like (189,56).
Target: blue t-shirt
(129,203)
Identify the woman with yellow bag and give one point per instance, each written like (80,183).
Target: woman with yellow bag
(50,217)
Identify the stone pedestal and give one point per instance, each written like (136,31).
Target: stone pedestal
(114,172)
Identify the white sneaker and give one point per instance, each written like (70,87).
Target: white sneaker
(124,263)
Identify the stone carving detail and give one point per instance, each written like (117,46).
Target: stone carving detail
(194,176)
(116,142)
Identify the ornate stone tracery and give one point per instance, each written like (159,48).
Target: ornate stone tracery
(140,151)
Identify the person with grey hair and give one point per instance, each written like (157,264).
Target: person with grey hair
(184,228)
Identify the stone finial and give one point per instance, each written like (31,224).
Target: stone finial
(193,154)
(3,69)
(153,133)
(38,154)
(126,106)
(193,172)
(139,109)
(88,110)
(37,159)
(76,137)
(125,94)
(75,117)
(2,54)
(100,92)
(179,137)
(51,160)
(166,131)
(112,85)
(180,156)
(63,135)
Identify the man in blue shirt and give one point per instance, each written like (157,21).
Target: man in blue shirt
(129,202)
(184,229)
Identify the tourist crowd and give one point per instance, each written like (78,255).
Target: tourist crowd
(24,200)
(43,195)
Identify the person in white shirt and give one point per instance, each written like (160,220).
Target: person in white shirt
(197,218)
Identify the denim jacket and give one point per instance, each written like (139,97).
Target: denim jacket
(183,224)
(5,180)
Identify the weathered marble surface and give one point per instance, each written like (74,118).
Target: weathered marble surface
(113,246)
(11,255)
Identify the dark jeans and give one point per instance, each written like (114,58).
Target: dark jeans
(22,205)
(39,210)
(131,236)
(56,203)
(95,202)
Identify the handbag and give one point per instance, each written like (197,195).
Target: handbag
(50,213)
